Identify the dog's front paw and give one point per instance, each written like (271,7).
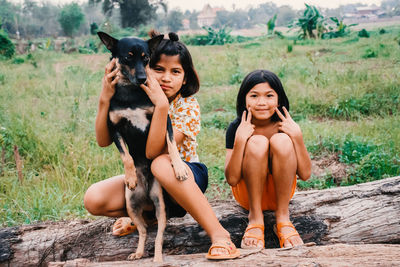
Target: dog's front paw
(135,256)
(180,170)
(131,182)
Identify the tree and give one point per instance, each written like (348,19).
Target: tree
(192,17)
(271,25)
(133,12)
(392,7)
(310,21)
(7,48)
(174,20)
(259,14)
(223,19)
(285,15)
(7,14)
(70,18)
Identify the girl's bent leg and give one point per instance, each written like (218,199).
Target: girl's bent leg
(254,170)
(189,196)
(284,166)
(107,197)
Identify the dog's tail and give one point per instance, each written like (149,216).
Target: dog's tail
(153,33)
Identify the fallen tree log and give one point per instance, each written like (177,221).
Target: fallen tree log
(367,213)
(330,255)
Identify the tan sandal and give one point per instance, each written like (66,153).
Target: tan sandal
(233,252)
(249,235)
(126,226)
(283,237)
(123,226)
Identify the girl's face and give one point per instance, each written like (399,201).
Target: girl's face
(262,100)
(170,75)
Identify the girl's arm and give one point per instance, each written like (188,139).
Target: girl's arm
(156,143)
(109,81)
(292,129)
(234,157)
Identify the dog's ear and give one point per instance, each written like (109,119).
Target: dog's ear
(109,41)
(154,42)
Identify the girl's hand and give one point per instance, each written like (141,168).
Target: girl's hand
(245,129)
(288,125)
(153,90)
(110,79)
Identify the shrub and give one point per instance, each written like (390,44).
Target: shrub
(374,166)
(363,33)
(218,37)
(370,53)
(18,60)
(353,151)
(7,48)
(311,20)
(341,30)
(289,48)
(94,28)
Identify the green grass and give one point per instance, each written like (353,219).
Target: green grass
(343,92)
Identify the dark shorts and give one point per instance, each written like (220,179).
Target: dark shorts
(200,174)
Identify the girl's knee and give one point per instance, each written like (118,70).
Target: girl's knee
(161,165)
(282,144)
(257,146)
(92,201)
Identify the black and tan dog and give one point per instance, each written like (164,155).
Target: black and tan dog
(129,120)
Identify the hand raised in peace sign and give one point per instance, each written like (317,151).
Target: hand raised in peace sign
(245,129)
(288,125)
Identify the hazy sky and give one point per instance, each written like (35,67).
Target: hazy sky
(228,4)
(296,4)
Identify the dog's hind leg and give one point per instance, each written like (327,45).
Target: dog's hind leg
(135,213)
(156,195)
(177,164)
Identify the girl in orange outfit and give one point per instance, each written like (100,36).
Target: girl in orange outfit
(264,152)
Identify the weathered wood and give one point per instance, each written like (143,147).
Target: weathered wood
(366,213)
(330,255)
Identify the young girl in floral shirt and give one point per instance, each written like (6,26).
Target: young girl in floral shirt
(171,83)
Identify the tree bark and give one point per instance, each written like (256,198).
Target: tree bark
(361,214)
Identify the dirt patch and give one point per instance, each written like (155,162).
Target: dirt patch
(329,165)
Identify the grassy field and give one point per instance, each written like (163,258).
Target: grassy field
(344,93)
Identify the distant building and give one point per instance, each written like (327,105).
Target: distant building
(365,12)
(208,15)
(186,24)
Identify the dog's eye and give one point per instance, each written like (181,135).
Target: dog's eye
(146,59)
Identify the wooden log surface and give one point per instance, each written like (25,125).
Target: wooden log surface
(367,213)
(331,255)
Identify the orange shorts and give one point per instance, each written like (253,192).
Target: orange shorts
(268,196)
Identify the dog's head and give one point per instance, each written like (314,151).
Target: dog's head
(132,55)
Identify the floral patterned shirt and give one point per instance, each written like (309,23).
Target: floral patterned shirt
(185,117)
